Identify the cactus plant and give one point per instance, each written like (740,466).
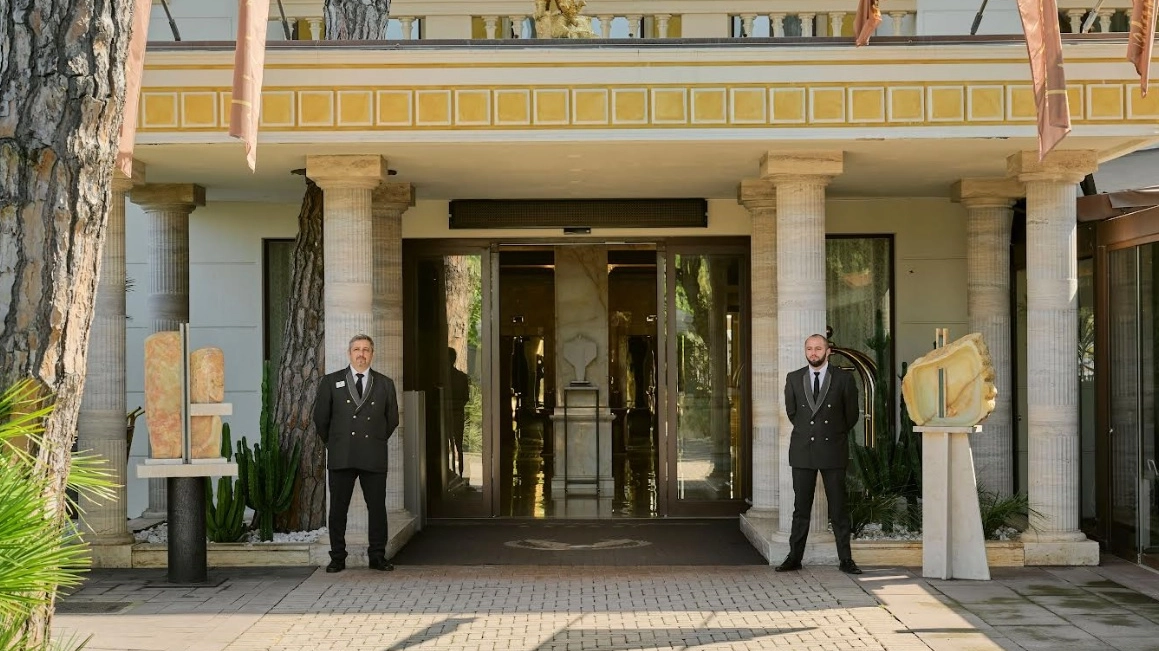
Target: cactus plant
(265,474)
(225,517)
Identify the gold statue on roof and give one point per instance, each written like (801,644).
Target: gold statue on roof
(562,19)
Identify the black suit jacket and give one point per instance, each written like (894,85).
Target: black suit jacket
(356,431)
(820,436)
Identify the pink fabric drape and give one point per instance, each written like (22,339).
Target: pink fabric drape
(1044,44)
(1142,39)
(868,18)
(134,71)
(248,66)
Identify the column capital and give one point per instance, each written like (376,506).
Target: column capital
(353,172)
(122,183)
(1066,166)
(156,195)
(398,196)
(997,192)
(780,166)
(754,194)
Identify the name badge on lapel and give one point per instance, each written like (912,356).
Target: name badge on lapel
(341,383)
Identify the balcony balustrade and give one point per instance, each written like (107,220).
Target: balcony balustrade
(660,19)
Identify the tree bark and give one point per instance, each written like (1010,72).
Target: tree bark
(62,87)
(459,297)
(301,368)
(356,20)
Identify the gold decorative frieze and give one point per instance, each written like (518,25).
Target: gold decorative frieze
(689,106)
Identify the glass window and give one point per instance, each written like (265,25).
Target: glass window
(277,265)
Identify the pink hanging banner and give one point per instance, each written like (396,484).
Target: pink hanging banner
(134,71)
(1044,44)
(249,63)
(1142,39)
(868,18)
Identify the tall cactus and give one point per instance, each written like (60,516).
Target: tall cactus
(225,517)
(265,474)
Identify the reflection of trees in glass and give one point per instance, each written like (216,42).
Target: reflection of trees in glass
(1086,343)
(464,296)
(693,303)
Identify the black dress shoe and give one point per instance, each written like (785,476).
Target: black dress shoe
(789,565)
(849,567)
(381,564)
(335,566)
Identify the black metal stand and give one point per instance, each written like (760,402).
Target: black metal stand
(187,548)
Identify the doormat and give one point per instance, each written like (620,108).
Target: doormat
(524,542)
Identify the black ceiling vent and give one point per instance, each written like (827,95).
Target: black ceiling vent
(579,213)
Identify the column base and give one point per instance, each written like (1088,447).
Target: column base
(112,554)
(761,530)
(1078,550)
(401,527)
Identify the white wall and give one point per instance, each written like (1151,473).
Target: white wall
(225,303)
(954,17)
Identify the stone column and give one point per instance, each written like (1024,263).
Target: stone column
(347,183)
(1052,342)
(759,197)
(800,180)
(388,202)
(989,213)
(168,206)
(102,421)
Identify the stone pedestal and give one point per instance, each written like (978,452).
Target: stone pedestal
(1052,338)
(583,444)
(953,545)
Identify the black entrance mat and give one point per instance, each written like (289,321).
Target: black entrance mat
(523,542)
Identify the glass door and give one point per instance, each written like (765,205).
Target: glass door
(447,325)
(1133,374)
(708,447)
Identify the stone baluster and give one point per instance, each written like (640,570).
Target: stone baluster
(800,180)
(168,207)
(102,421)
(759,197)
(1054,537)
(388,202)
(989,213)
(491,26)
(746,22)
(347,236)
(635,24)
(662,25)
(836,23)
(777,25)
(1105,20)
(898,20)
(1075,16)
(807,24)
(516,26)
(315,28)
(605,25)
(407,24)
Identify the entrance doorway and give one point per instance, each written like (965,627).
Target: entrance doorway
(581,380)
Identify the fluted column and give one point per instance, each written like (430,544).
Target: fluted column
(800,180)
(102,421)
(759,197)
(388,202)
(347,183)
(168,207)
(1051,345)
(989,214)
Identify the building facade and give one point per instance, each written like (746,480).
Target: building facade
(598,260)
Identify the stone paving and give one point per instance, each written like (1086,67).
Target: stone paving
(1115,606)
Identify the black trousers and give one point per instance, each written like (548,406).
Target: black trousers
(374,492)
(804,485)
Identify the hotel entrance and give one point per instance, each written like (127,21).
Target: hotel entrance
(581,379)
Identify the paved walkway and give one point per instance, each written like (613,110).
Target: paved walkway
(1115,606)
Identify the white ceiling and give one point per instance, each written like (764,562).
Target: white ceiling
(620,169)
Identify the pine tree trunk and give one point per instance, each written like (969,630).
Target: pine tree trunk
(301,368)
(459,297)
(63,85)
(356,20)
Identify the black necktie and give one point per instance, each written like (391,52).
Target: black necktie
(358,384)
(816,385)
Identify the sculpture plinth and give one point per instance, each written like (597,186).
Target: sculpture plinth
(948,392)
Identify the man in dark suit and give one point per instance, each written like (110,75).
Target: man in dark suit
(355,414)
(821,401)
